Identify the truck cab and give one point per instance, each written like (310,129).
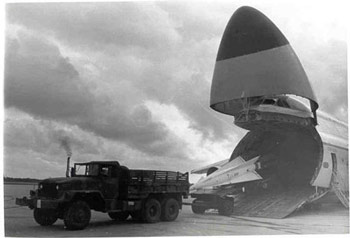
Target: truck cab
(110,177)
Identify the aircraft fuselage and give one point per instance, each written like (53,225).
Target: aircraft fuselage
(291,154)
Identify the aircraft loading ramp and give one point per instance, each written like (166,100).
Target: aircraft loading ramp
(273,204)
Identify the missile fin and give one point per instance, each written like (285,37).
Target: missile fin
(204,169)
(246,163)
(201,179)
(234,163)
(246,177)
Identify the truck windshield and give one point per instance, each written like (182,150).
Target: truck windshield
(86,169)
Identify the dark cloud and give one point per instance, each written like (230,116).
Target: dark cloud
(152,138)
(96,25)
(26,132)
(145,41)
(33,148)
(40,81)
(47,85)
(198,21)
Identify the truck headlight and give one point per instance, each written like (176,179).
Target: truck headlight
(57,187)
(40,186)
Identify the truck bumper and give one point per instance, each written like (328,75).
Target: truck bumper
(37,203)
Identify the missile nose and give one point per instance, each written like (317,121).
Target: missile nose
(249,31)
(193,188)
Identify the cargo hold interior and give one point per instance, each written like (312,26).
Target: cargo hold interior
(289,157)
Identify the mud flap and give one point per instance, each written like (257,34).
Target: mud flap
(273,204)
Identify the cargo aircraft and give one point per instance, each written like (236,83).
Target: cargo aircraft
(292,154)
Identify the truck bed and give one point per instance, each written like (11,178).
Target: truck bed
(143,182)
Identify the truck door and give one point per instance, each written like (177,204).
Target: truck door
(110,181)
(123,182)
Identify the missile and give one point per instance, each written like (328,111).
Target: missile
(235,171)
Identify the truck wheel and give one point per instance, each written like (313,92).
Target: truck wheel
(119,216)
(170,210)
(77,216)
(196,209)
(225,208)
(45,217)
(151,211)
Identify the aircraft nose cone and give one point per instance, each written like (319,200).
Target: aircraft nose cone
(255,59)
(249,31)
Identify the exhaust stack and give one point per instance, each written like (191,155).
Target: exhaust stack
(64,142)
(68,166)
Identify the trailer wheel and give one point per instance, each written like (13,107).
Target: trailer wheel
(225,206)
(119,216)
(197,209)
(151,211)
(77,216)
(170,210)
(45,217)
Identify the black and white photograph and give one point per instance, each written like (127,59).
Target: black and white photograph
(175,118)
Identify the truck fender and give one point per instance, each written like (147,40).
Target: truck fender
(94,198)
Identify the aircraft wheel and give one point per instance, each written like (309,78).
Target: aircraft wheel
(225,207)
(197,209)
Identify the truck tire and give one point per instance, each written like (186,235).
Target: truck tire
(151,211)
(77,216)
(45,217)
(196,209)
(170,210)
(119,216)
(225,207)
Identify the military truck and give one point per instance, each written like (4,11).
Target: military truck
(145,195)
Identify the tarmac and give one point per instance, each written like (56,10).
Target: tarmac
(328,217)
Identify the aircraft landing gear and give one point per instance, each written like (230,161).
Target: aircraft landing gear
(224,205)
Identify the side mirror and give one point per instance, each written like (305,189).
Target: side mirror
(72,172)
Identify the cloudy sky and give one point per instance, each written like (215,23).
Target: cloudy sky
(130,81)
